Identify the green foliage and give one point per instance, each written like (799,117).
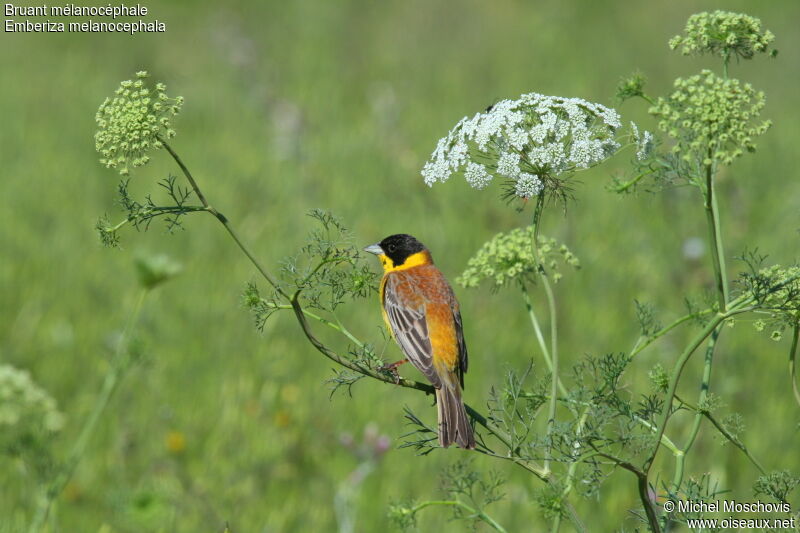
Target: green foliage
(725,34)
(134,121)
(777,291)
(702,490)
(508,258)
(468,494)
(328,270)
(778,485)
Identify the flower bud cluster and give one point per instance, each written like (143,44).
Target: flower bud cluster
(723,33)
(132,122)
(711,118)
(509,257)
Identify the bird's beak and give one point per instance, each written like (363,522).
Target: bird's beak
(374,249)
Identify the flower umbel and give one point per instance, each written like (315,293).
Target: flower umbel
(530,141)
(509,257)
(711,118)
(723,33)
(134,121)
(27,412)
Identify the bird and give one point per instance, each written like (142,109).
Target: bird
(424,317)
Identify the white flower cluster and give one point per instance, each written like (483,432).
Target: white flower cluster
(644,142)
(524,140)
(25,408)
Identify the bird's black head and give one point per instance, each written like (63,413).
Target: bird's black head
(398,248)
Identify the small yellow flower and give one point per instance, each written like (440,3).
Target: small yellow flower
(282,419)
(290,393)
(73,492)
(175,442)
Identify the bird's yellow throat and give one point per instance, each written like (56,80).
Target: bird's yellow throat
(417,259)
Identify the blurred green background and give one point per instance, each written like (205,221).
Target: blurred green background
(291,106)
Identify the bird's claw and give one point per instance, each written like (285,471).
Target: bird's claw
(392,369)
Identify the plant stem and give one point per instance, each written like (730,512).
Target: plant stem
(322,320)
(551,307)
(792,361)
(622,187)
(540,337)
(456,503)
(119,365)
(642,487)
(222,219)
(715,234)
(681,362)
(573,466)
(725,433)
(663,331)
(680,459)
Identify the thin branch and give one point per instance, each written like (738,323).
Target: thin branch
(725,433)
(666,329)
(642,486)
(680,459)
(476,513)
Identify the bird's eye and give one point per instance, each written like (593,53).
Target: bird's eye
(392,248)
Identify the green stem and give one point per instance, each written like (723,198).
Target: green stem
(665,440)
(119,365)
(680,459)
(792,359)
(573,466)
(642,487)
(156,211)
(717,251)
(322,320)
(681,362)
(663,331)
(720,246)
(540,337)
(725,433)
(456,503)
(551,307)
(622,187)
(222,219)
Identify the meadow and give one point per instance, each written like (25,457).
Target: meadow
(337,105)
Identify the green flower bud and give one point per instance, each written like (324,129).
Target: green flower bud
(130,124)
(724,34)
(711,118)
(509,257)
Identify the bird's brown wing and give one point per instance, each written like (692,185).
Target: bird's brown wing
(463,360)
(406,317)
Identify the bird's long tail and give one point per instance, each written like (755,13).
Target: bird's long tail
(453,422)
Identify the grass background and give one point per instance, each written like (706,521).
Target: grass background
(291,106)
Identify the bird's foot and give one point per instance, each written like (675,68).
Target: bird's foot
(392,369)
